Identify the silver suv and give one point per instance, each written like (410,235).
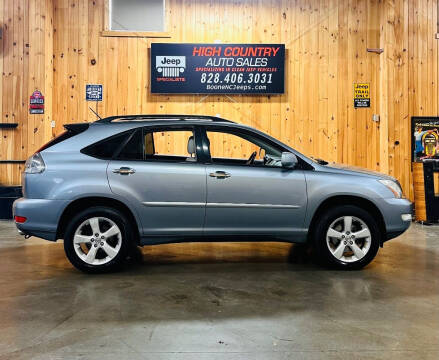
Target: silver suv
(124,181)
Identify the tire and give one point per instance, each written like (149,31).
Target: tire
(341,247)
(105,252)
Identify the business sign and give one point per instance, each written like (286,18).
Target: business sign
(217,68)
(361,95)
(425,138)
(36,103)
(93,92)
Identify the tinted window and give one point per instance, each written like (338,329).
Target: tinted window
(133,150)
(105,149)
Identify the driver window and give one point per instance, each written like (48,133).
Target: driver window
(227,148)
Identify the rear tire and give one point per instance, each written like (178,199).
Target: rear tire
(98,239)
(346,237)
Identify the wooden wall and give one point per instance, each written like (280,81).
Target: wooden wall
(26,65)
(326,42)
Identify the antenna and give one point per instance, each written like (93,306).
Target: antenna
(94,112)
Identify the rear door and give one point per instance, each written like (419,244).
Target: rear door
(167,184)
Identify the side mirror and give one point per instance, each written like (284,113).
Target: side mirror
(288,160)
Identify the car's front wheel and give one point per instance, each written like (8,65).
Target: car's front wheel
(347,237)
(97,240)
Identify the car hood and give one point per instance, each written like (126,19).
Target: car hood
(355,170)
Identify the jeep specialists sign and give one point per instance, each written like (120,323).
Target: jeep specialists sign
(217,68)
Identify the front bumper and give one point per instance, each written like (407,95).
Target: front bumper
(395,213)
(42,216)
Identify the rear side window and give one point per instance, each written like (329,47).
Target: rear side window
(169,144)
(105,149)
(133,149)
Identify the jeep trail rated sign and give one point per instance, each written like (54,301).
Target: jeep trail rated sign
(361,95)
(217,68)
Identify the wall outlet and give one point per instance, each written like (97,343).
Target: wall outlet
(376,117)
(52,123)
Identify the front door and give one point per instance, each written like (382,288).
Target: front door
(158,171)
(248,192)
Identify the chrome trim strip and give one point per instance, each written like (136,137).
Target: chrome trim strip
(172,203)
(217,205)
(243,205)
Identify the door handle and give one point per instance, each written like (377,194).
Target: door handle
(124,171)
(220,174)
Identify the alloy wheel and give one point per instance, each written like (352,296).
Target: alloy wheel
(348,239)
(97,240)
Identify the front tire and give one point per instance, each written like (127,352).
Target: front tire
(346,237)
(98,239)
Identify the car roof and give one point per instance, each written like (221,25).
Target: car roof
(160,117)
(134,121)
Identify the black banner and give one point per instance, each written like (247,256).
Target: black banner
(217,68)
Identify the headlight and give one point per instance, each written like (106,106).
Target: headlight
(34,164)
(393,187)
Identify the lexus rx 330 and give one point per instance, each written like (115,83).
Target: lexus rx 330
(127,181)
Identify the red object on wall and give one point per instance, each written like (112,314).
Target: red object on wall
(36,103)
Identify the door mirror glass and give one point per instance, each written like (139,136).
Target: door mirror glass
(289,160)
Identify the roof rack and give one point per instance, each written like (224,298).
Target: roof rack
(110,119)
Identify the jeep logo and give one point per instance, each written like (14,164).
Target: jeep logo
(170,66)
(173,61)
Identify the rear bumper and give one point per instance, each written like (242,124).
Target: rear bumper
(396,219)
(42,216)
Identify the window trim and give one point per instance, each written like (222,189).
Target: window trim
(138,34)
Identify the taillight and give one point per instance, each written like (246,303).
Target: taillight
(20,219)
(35,164)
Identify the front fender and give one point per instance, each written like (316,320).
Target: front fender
(324,186)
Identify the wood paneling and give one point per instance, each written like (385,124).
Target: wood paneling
(326,43)
(26,63)
(419,192)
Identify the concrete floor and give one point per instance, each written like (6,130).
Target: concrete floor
(220,301)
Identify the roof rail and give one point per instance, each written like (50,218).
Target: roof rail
(110,119)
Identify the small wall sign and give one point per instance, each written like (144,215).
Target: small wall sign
(361,95)
(36,103)
(93,92)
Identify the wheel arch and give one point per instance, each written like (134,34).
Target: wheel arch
(348,200)
(85,202)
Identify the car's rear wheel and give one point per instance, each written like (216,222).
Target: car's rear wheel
(98,239)
(347,237)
